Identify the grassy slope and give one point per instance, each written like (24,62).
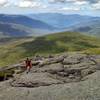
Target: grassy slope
(55,43)
(61,42)
(9,52)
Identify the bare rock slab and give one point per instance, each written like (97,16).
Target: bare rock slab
(34,80)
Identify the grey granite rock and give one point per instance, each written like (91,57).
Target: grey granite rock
(75,76)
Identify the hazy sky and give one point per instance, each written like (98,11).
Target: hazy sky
(88,7)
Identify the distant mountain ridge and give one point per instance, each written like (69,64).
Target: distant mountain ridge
(61,20)
(44,23)
(20,25)
(91,27)
(74,22)
(24,20)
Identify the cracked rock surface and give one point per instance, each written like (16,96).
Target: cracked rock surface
(73,76)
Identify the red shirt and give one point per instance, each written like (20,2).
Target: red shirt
(28,63)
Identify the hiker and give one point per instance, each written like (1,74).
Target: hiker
(28,64)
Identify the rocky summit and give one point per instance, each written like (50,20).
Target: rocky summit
(70,76)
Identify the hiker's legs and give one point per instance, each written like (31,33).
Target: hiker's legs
(28,69)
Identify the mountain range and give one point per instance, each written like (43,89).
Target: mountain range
(20,25)
(59,20)
(79,23)
(91,27)
(45,23)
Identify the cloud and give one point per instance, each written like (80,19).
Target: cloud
(56,1)
(73,1)
(92,1)
(70,9)
(30,4)
(3,2)
(78,4)
(81,2)
(64,5)
(96,6)
(27,3)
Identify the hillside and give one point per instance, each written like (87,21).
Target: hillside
(91,27)
(24,20)
(49,44)
(19,25)
(16,30)
(9,51)
(61,42)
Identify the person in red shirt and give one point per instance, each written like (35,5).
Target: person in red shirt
(28,64)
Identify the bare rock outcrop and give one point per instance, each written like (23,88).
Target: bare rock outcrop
(73,76)
(59,69)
